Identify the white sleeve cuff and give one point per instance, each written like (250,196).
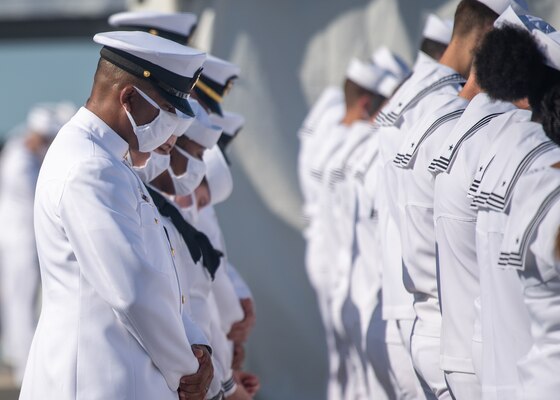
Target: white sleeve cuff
(229,387)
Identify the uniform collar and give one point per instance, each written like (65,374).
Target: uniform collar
(423,58)
(107,137)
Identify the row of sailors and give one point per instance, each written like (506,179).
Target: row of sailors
(433,242)
(139,297)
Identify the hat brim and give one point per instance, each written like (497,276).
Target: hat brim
(213,105)
(208,102)
(179,103)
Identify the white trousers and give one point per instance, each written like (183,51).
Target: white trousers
(425,349)
(405,380)
(317,274)
(463,386)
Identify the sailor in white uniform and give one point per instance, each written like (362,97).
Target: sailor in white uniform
(518,146)
(455,220)
(397,302)
(320,136)
(351,310)
(216,81)
(21,160)
(357,230)
(415,204)
(215,189)
(209,290)
(427,77)
(111,323)
(232,123)
(531,247)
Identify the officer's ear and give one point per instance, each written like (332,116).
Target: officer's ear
(126,97)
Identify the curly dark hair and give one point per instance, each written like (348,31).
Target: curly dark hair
(508,63)
(550,113)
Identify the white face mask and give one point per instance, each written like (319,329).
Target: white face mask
(153,134)
(186,183)
(154,167)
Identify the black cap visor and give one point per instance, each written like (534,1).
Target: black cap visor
(209,102)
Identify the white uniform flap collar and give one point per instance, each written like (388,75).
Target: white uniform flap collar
(538,150)
(478,114)
(516,149)
(496,129)
(338,168)
(538,193)
(428,77)
(448,109)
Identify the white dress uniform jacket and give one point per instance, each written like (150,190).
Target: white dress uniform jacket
(110,326)
(505,334)
(408,104)
(416,226)
(455,229)
(223,288)
(529,246)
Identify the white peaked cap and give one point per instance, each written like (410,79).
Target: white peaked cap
(231,122)
(218,175)
(46,119)
(387,60)
(219,70)
(527,22)
(174,57)
(364,74)
(202,131)
(388,85)
(179,23)
(499,6)
(550,46)
(438,29)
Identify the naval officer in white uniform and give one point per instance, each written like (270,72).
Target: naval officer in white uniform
(110,326)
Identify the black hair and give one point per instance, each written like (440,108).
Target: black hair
(353,92)
(549,113)
(433,48)
(510,66)
(508,63)
(470,16)
(114,75)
